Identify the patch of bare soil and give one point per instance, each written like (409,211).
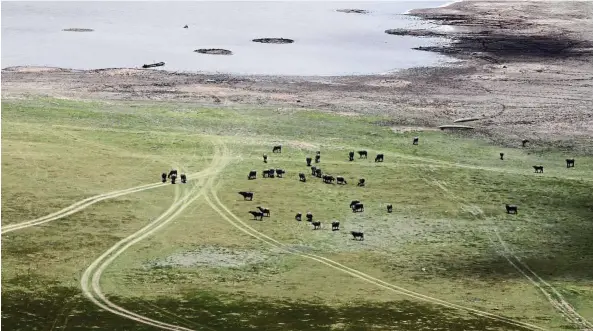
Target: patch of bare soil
(219,257)
(525,70)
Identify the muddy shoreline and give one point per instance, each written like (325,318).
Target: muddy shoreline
(524,69)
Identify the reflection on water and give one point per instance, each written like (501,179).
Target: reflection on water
(129,34)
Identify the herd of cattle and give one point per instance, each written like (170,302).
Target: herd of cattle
(355,205)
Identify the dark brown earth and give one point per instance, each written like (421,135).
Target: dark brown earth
(524,67)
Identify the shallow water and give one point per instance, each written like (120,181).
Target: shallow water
(129,34)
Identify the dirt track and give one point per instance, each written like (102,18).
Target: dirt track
(525,68)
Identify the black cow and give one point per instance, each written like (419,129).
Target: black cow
(340,180)
(277,149)
(389,208)
(351,156)
(264,211)
(317,158)
(316,225)
(268,173)
(302,177)
(357,234)
(298,217)
(570,163)
(313,170)
(379,158)
(415,141)
(318,153)
(524,142)
(318,173)
(359,207)
(265,158)
(247,195)
(185,27)
(280,173)
(502,156)
(257,214)
(183,178)
(511,208)
(328,179)
(335,225)
(538,169)
(164,177)
(252,174)
(171,173)
(173,178)
(361,182)
(353,203)
(308,159)
(362,154)
(309,217)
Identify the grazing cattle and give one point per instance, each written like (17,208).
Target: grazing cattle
(538,169)
(183,179)
(351,156)
(252,174)
(357,234)
(298,217)
(359,207)
(164,177)
(328,179)
(317,158)
(511,208)
(335,225)
(173,178)
(185,27)
(570,163)
(361,182)
(308,159)
(415,141)
(316,225)
(171,173)
(313,170)
(353,203)
(318,153)
(257,214)
(340,180)
(379,158)
(264,211)
(318,173)
(302,177)
(269,173)
(389,208)
(309,217)
(277,149)
(362,154)
(502,156)
(524,142)
(247,195)
(265,158)
(280,173)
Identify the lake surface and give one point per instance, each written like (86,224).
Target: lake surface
(129,34)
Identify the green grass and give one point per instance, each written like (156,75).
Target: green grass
(448,197)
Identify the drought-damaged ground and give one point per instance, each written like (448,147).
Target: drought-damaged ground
(136,253)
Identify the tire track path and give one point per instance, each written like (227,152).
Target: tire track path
(90,281)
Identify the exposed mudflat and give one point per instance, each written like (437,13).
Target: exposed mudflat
(353,11)
(78,30)
(525,70)
(214,51)
(273,40)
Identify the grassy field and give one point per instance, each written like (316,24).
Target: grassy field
(212,267)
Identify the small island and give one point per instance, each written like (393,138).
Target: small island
(214,51)
(273,40)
